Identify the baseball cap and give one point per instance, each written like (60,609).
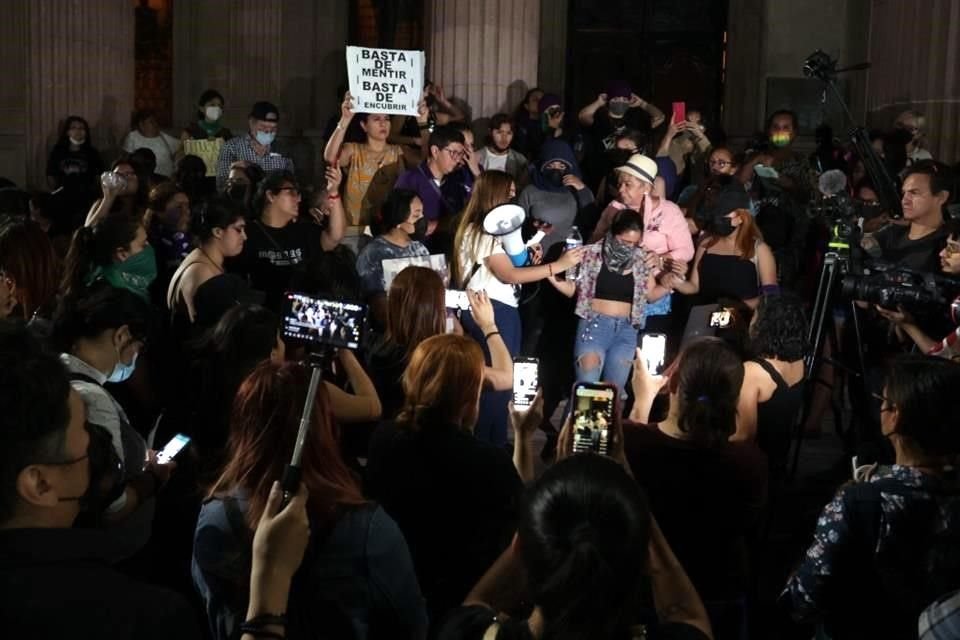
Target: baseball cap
(733,197)
(266,111)
(619,89)
(549,100)
(640,167)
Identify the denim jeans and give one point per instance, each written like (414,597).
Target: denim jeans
(492,422)
(613,341)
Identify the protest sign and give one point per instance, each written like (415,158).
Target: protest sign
(385,80)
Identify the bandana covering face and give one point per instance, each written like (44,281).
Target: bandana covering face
(617,255)
(135,274)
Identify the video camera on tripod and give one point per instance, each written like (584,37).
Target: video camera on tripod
(841,212)
(889,286)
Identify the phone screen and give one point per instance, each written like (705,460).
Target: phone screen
(454,299)
(592,416)
(679,111)
(653,348)
(525,382)
(720,319)
(172,448)
(338,324)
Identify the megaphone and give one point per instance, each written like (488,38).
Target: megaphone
(505,222)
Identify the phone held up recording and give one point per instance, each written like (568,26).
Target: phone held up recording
(594,405)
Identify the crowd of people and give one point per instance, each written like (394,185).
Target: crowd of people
(194,285)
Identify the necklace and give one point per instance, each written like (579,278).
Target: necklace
(211,260)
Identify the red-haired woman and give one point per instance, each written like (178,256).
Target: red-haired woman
(357,579)
(28,269)
(454,497)
(733,261)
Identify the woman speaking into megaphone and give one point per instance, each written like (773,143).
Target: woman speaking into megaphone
(490,255)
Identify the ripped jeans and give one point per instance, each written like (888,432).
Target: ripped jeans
(612,342)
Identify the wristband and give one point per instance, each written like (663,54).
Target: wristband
(550,267)
(491,334)
(333,196)
(267,619)
(257,632)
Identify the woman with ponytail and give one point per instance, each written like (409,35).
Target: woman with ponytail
(705,491)
(591,556)
(114,249)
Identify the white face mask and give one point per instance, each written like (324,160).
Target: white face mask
(213,113)
(77,141)
(266,139)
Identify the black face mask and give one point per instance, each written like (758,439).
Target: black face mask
(554,176)
(237,192)
(722,226)
(419,230)
(619,157)
(106,476)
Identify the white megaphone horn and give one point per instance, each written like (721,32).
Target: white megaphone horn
(505,222)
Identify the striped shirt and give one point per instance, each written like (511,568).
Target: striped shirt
(240,148)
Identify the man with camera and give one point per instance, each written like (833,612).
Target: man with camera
(905,323)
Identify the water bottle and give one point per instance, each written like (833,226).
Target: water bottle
(574,241)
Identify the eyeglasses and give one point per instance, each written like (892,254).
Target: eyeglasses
(456,155)
(952,248)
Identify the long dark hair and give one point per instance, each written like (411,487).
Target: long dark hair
(584,537)
(27,257)
(707,380)
(88,312)
(94,246)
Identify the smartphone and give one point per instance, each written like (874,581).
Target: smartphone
(328,322)
(720,319)
(679,112)
(454,299)
(525,382)
(172,448)
(653,348)
(593,415)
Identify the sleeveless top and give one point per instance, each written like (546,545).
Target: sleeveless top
(723,276)
(370,178)
(612,286)
(776,418)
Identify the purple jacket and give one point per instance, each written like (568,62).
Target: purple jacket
(438,201)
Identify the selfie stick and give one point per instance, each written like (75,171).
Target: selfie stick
(291,476)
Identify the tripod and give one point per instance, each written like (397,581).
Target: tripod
(836,263)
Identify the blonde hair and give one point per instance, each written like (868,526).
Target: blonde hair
(491,189)
(442,381)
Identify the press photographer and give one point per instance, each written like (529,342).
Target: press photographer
(907,326)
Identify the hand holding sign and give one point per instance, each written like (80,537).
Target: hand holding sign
(385,80)
(346,109)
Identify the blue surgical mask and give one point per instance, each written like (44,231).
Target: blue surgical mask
(266,139)
(122,371)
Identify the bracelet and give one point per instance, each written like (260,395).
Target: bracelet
(267,619)
(333,196)
(550,267)
(257,632)
(491,334)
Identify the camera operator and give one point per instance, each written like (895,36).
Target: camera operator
(927,187)
(905,323)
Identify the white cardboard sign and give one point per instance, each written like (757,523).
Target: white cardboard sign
(385,80)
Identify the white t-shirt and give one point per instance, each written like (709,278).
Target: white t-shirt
(163,147)
(492,161)
(484,279)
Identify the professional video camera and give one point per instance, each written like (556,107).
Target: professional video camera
(889,286)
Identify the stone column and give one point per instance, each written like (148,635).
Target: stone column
(290,53)
(553,45)
(484,51)
(79,60)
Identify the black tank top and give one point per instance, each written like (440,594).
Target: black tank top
(613,286)
(776,418)
(727,277)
